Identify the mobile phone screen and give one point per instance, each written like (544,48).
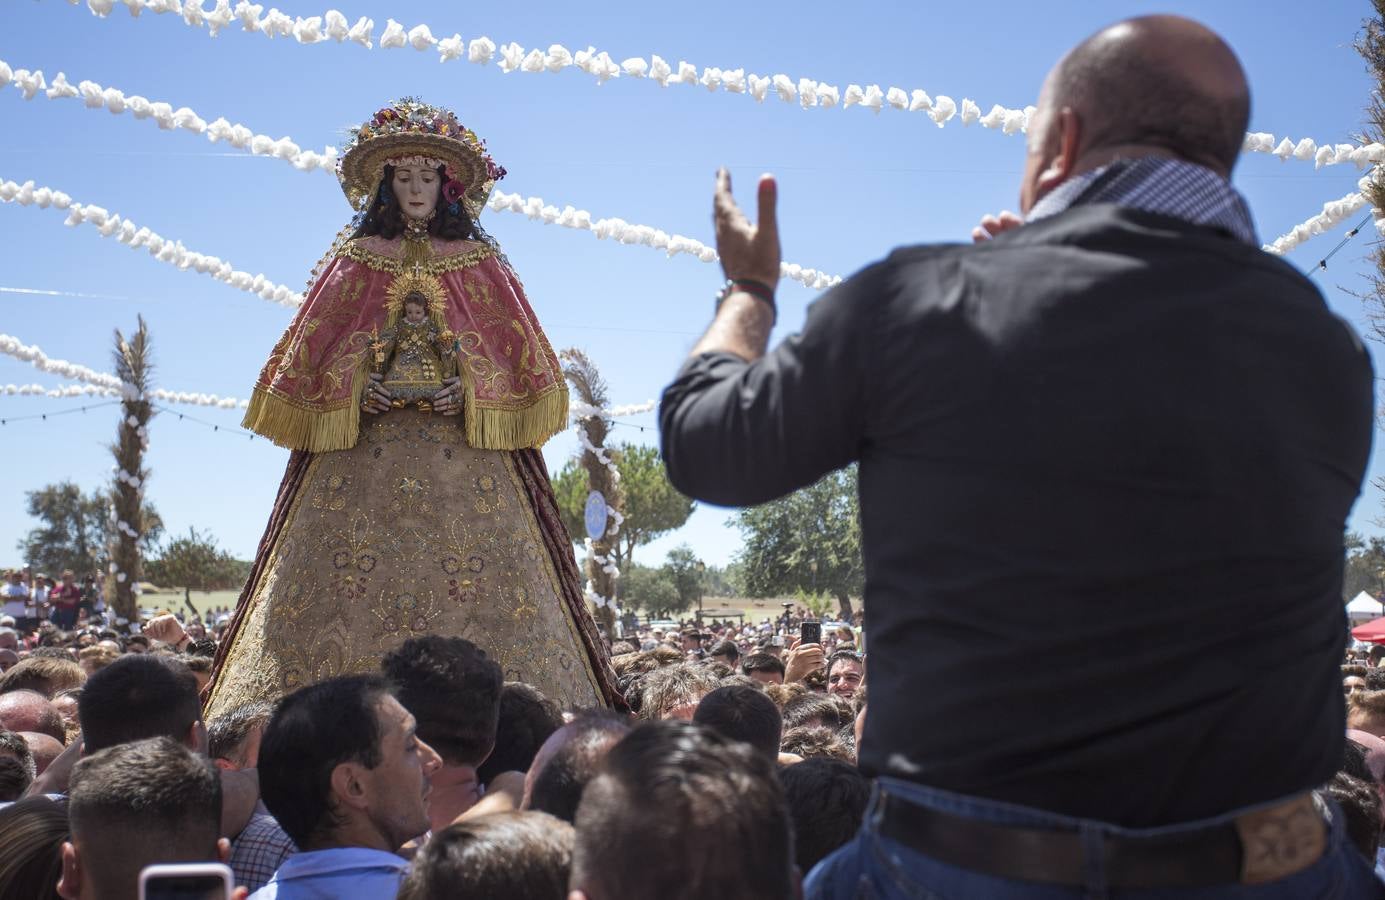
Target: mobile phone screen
(185,887)
(810,633)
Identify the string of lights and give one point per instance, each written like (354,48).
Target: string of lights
(1355,229)
(45,416)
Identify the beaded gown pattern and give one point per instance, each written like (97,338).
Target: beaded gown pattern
(409,531)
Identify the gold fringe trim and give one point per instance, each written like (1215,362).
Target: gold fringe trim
(514,429)
(298,428)
(487,428)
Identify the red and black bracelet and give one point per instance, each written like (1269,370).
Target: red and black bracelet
(757,289)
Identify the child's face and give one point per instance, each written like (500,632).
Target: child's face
(413,313)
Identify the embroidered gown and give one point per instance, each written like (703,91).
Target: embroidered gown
(410,523)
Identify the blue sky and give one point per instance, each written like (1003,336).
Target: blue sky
(853,185)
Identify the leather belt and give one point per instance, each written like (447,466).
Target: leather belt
(1254,848)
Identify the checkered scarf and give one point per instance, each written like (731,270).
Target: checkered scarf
(1170,187)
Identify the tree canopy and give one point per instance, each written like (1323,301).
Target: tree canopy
(652,590)
(653,507)
(75,531)
(809,541)
(195,562)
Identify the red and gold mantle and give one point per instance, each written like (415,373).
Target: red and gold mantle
(308,394)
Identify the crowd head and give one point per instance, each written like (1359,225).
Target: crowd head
(341,764)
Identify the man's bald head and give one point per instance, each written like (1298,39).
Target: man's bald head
(30,711)
(44,747)
(1156,85)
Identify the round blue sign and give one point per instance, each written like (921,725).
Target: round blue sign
(596,515)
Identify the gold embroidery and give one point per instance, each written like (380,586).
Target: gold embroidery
(438,265)
(431,536)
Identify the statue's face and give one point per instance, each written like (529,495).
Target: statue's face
(414,313)
(417,189)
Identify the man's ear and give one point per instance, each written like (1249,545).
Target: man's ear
(223,850)
(1067,125)
(70,884)
(196,740)
(349,786)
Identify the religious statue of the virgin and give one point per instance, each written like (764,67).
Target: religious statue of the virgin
(414,387)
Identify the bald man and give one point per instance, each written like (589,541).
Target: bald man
(44,747)
(30,711)
(1111,438)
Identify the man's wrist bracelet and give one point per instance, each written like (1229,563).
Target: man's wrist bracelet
(757,289)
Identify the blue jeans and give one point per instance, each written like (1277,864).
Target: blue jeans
(873,866)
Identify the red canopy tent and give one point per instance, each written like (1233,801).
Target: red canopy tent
(1373,631)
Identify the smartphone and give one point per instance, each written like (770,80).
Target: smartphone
(185,881)
(810,633)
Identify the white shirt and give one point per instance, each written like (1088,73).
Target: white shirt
(16,595)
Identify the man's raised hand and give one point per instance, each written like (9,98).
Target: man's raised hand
(747,251)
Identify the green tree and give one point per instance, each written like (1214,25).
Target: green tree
(687,572)
(651,590)
(725,581)
(809,541)
(1363,567)
(75,530)
(196,563)
(72,530)
(652,506)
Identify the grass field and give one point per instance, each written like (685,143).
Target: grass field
(171,599)
(202,601)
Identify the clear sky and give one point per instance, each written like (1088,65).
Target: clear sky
(853,185)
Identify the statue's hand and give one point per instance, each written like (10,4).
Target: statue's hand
(448,401)
(376,399)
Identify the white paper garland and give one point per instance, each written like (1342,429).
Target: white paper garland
(624,232)
(102,383)
(164,250)
(93,96)
(619,230)
(579,410)
(1334,212)
(64,392)
(512,57)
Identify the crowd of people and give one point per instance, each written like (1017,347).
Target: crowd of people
(434,778)
(1106,458)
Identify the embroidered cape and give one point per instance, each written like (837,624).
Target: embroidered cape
(308,394)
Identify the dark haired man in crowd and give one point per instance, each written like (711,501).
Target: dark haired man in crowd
(343,771)
(1120,400)
(726,653)
(846,672)
(743,713)
(827,799)
(569,759)
(679,812)
(510,855)
(133,805)
(527,719)
(453,691)
(17,766)
(764,668)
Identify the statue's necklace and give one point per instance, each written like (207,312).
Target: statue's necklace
(417,250)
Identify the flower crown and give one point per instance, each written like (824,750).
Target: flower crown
(410,128)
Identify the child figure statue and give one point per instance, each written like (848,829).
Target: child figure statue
(414,356)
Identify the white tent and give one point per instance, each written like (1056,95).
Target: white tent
(1364,607)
